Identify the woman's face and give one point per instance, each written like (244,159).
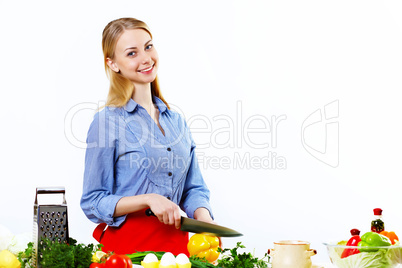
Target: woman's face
(135,57)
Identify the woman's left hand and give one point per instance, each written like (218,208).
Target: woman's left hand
(202,214)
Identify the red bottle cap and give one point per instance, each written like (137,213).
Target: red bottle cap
(355,232)
(377,211)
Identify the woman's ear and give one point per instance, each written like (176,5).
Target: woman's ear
(112,65)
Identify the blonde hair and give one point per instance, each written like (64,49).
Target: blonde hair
(121,89)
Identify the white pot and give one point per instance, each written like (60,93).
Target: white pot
(291,254)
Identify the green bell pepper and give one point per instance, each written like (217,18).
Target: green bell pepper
(372,239)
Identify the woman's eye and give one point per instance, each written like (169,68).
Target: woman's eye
(132,53)
(149,46)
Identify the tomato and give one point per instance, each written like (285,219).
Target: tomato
(128,261)
(97,265)
(116,261)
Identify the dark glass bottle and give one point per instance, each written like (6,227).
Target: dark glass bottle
(377,225)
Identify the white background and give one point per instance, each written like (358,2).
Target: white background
(218,58)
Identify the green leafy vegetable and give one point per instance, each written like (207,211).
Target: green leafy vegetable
(71,255)
(244,260)
(197,262)
(25,257)
(54,254)
(82,253)
(395,253)
(60,255)
(383,258)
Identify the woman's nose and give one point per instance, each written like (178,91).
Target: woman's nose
(145,59)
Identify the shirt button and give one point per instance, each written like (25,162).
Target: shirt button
(169,149)
(168,198)
(170,174)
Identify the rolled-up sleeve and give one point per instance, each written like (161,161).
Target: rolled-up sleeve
(196,193)
(98,200)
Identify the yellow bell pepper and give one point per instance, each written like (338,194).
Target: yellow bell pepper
(204,246)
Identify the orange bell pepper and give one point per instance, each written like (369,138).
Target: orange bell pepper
(204,246)
(391,235)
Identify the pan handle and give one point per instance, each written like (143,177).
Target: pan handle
(149,212)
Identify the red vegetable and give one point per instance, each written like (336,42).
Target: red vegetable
(97,265)
(353,241)
(117,261)
(128,261)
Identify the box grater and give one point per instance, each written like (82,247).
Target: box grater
(50,221)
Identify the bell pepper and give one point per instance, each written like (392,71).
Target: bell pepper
(391,235)
(204,246)
(353,242)
(370,240)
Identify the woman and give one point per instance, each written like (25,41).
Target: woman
(140,154)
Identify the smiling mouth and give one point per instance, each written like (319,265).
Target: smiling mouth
(147,69)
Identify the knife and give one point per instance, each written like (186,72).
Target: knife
(195,226)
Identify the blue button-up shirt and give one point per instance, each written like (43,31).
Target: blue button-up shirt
(127,154)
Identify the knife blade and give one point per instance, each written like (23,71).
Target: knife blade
(195,226)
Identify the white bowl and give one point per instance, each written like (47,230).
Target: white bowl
(381,257)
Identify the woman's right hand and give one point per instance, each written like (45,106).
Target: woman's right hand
(164,209)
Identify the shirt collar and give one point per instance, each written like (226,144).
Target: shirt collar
(131,105)
(161,105)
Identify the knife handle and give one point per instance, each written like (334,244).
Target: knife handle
(149,212)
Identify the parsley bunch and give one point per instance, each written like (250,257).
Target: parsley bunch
(60,255)
(197,262)
(26,257)
(244,260)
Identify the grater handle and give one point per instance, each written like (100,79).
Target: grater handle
(50,190)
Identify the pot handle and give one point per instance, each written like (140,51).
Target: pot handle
(311,252)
